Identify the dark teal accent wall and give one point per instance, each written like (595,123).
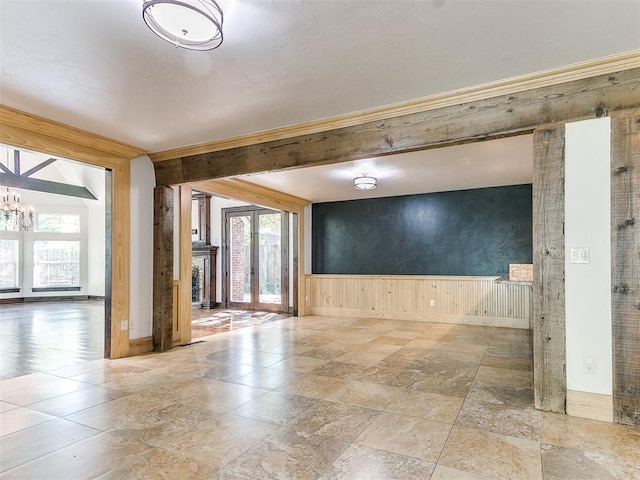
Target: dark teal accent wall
(466,232)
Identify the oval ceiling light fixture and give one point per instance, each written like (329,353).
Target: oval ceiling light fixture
(365,182)
(190,24)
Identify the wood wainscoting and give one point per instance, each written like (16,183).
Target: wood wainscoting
(445,299)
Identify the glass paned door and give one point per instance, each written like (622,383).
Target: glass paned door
(256,241)
(240,261)
(270,258)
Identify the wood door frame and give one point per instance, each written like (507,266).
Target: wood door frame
(30,132)
(255,211)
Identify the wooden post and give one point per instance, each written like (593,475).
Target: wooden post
(625,267)
(162,268)
(549,343)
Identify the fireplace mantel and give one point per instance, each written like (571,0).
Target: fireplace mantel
(208,252)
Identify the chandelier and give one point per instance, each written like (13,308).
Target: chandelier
(14,213)
(190,24)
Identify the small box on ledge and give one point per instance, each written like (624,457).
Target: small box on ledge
(521,272)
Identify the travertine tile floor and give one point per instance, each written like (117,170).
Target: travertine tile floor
(313,397)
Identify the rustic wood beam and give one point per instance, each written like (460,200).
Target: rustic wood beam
(625,267)
(251,193)
(39,167)
(549,331)
(46,186)
(162,269)
(488,118)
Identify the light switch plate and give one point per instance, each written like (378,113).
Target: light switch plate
(579,255)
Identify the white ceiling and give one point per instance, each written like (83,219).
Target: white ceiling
(508,161)
(94,64)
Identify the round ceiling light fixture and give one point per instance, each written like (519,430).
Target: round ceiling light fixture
(190,24)
(365,182)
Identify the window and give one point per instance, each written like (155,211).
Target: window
(8,263)
(57,222)
(56,264)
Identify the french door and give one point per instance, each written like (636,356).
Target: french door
(256,260)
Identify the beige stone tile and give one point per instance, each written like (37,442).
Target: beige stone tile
(365,394)
(432,406)
(228,371)
(427,344)
(287,455)
(393,340)
(503,376)
(346,371)
(359,462)
(456,386)
(275,407)
(509,363)
(146,419)
(26,382)
(265,378)
(211,395)
(226,474)
(299,364)
(410,436)
(89,458)
(491,454)
(395,377)
(502,394)
(21,418)
(218,441)
(561,463)
(70,403)
(511,349)
(40,392)
(330,351)
(364,358)
(331,419)
(314,386)
(590,435)
(82,367)
(474,350)
(161,464)
(381,348)
(30,443)
(447,473)
(515,422)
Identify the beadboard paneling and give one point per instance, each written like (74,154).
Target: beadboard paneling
(471,300)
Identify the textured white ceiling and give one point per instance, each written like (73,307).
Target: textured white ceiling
(507,161)
(94,64)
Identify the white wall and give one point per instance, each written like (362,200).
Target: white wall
(587,226)
(141,288)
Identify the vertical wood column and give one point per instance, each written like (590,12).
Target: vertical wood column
(120,258)
(549,342)
(184,292)
(162,269)
(625,266)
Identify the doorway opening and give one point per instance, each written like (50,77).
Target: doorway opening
(255,266)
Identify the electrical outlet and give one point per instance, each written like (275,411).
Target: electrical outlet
(590,364)
(432,302)
(124,324)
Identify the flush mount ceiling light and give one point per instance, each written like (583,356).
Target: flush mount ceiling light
(190,24)
(365,182)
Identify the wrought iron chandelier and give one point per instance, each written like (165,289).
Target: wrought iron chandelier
(190,24)
(14,213)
